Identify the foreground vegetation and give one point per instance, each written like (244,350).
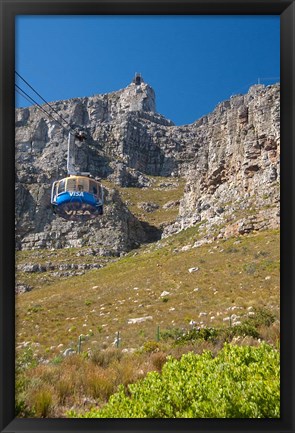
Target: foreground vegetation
(82,384)
(240,382)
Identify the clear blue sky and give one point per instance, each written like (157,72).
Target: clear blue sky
(192,62)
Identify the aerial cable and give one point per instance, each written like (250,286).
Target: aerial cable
(38,105)
(47,103)
(22,95)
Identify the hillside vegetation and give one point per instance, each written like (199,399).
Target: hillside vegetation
(228,277)
(127,318)
(240,382)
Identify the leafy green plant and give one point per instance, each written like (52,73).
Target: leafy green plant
(240,382)
(22,409)
(88,302)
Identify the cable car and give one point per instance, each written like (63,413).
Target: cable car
(78,197)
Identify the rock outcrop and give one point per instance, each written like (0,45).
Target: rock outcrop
(230,159)
(233,183)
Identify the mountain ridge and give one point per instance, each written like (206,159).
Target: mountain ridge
(229,160)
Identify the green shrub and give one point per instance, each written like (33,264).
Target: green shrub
(87,302)
(25,359)
(57,360)
(183,336)
(150,347)
(240,382)
(262,317)
(22,410)
(172,333)
(243,330)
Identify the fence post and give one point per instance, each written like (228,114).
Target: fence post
(158,333)
(79,343)
(118,339)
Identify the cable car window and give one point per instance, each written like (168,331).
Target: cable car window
(83,184)
(71,184)
(54,190)
(62,186)
(93,187)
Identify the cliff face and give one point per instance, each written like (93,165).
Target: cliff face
(230,159)
(236,171)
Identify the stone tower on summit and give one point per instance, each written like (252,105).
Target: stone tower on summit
(138,96)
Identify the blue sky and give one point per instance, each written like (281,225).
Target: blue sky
(192,62)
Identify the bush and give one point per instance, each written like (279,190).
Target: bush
(183,336)
(101,384)
(240,382)
(104,358)
(158,360)
(25,360)
(150,347)
(22,410)
(64,390)
(262,317)
(173,333)
(244,330)
(42,401)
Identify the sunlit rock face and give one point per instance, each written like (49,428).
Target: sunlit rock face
(237,166)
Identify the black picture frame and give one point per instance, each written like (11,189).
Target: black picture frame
(9,9)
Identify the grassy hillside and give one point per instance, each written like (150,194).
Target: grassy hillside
(127,316)
(164,193)
(229,277)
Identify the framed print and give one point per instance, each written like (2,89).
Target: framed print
(147,196)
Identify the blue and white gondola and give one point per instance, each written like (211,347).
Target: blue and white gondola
(77,198)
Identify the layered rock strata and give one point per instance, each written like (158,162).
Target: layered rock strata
(230,159)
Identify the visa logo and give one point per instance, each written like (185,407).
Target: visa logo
(76,194)
(77,212)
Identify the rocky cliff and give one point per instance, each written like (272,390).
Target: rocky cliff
(233,184)
(230,159)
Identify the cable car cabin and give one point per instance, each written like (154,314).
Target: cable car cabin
(77,198)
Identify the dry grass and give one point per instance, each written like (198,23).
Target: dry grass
(51,390)
(80,382)
(99,303)
(161,191)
